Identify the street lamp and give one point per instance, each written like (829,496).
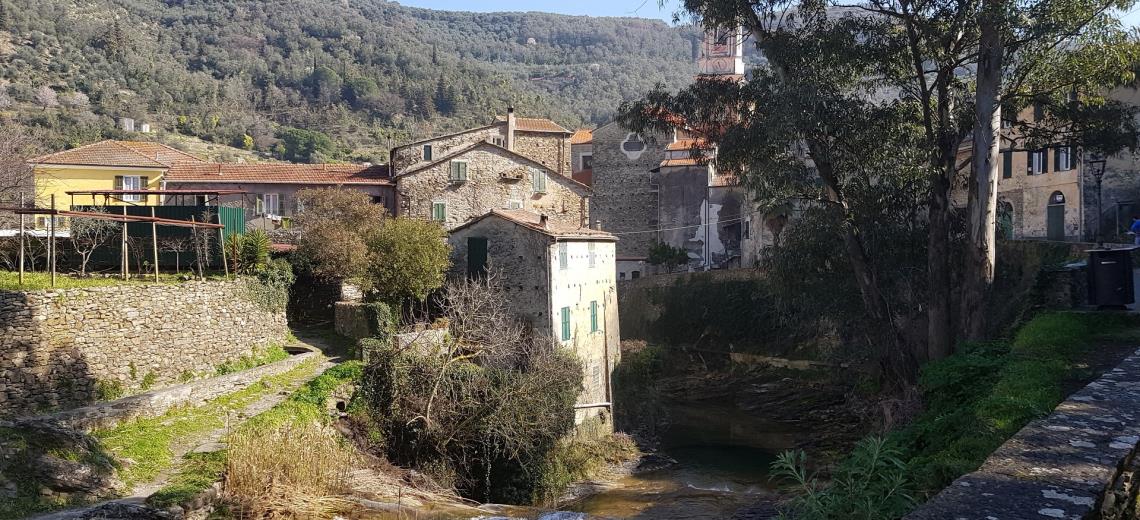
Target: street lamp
(1096,167)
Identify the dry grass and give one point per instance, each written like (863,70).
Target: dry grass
(289,471)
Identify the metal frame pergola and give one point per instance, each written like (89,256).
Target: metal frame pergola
(116,195)
(124,218)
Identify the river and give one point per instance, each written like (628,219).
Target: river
(722,455)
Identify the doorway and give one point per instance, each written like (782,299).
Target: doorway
(1055,217)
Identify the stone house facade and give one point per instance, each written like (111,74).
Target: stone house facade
(582,156)
(626,195)
(540,140)
(562,280)
(480,177)
(1120,187)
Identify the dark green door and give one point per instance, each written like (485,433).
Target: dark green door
(1055,222)
(476,257)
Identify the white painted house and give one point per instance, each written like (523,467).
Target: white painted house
(562,279)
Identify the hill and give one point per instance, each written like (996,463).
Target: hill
(364,72)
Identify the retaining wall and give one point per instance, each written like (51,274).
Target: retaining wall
(58,346)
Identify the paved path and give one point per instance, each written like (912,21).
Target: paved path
(1059,466)
(209,441)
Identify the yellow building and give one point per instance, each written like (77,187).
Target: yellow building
(105,165)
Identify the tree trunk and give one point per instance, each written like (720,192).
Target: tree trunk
(940,333)
(982,205)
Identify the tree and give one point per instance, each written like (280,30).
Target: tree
(336,226)
(75,100)
(301,145)
(87,234)
(46,97)
(668,256)
(408,259)
(176,244)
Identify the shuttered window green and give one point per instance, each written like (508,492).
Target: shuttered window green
(594,316)
(566,324)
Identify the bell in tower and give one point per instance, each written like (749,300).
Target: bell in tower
(722,52)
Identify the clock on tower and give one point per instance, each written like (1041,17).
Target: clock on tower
(722,52)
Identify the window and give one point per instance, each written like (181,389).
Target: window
(586,161)
(458,171)
(746,230)
(497,141)
(566,324)
(538,180)
(130,182)
(427,152)
(1037,162)
(563,256)
(1006,165)
(269,204)
(635,275)
(593,255)
(594,316)
(1063,158)
(514,200)
(633,146)
(439,211)
(621,276)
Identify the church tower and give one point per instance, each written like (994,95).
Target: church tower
(722,52)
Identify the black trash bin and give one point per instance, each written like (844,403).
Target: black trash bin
(1110,277)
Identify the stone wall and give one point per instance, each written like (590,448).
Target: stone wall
(57,347)
(549,149)
(494,177)
(625,193)
(411,154)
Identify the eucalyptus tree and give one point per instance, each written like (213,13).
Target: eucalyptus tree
(817,126)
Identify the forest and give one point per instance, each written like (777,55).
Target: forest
(364,73)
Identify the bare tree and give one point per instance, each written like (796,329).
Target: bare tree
(481,321)
(46,97)
(17,145)
(177,245)
(203,240)
(87,234)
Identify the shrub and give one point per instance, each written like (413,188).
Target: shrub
(870,484)
(109,390)
(270,286)
(255,250)
(409,259)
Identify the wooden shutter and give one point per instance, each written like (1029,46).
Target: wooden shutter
(118,182)
(1006,165)
(144,183)
(259,208)
(565,323)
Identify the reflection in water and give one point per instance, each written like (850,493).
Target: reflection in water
(723,456)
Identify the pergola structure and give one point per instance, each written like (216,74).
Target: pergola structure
(124,218)
(117,195)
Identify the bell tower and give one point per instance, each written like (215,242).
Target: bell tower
(722,52)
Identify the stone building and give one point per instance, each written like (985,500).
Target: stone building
(562,280)
(582,156)
(471,180)
(540,140)
(1120,188)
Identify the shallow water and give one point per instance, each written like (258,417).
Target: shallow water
(722,459)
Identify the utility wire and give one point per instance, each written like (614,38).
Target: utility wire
(733,219)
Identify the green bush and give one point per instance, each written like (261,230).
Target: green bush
(109,390)
(255,250)
(270,286)
(256,358)
(871,484)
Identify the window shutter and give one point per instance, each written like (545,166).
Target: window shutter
(1045,160)
(594,316)
(565,323)
(1006,165)
(144,183)
(260,206)
(118,182)
(1029,163)
(463,171)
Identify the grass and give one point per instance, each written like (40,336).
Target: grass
(304,407)
(10,281)
(256,358)
(146,445)
(983,394)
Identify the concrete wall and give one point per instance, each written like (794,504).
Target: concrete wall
(486,189)
(625,194)
(1120,189)
(576,153)
(55,346)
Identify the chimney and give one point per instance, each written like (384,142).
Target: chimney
(511,127)
(598,225)
(543,221)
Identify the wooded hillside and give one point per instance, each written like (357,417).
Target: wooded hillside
(360,71)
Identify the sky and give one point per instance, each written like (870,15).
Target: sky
(638,8)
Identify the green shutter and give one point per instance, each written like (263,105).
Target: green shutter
(593,316)
(1006,165)
(563,256)
(439,211)
(566,324)
(538,180)
(427,152)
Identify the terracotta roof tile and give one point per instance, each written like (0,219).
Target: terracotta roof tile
(724,180)
(681,162)
(102,153)
(582,136)
(273,173)
(533,221)
(530,124)
(160,152)
(687,144)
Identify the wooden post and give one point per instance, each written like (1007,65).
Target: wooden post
(222,244)
(51,240)
(154,242)
(124,266)
(194,244)
(22,239)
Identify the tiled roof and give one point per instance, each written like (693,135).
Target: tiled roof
(279,173)
(724,180)
(686,144)
(682,162)
(162,153)
(111,153)
(411,170)
(533,221)
(530,124)
(582,136)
